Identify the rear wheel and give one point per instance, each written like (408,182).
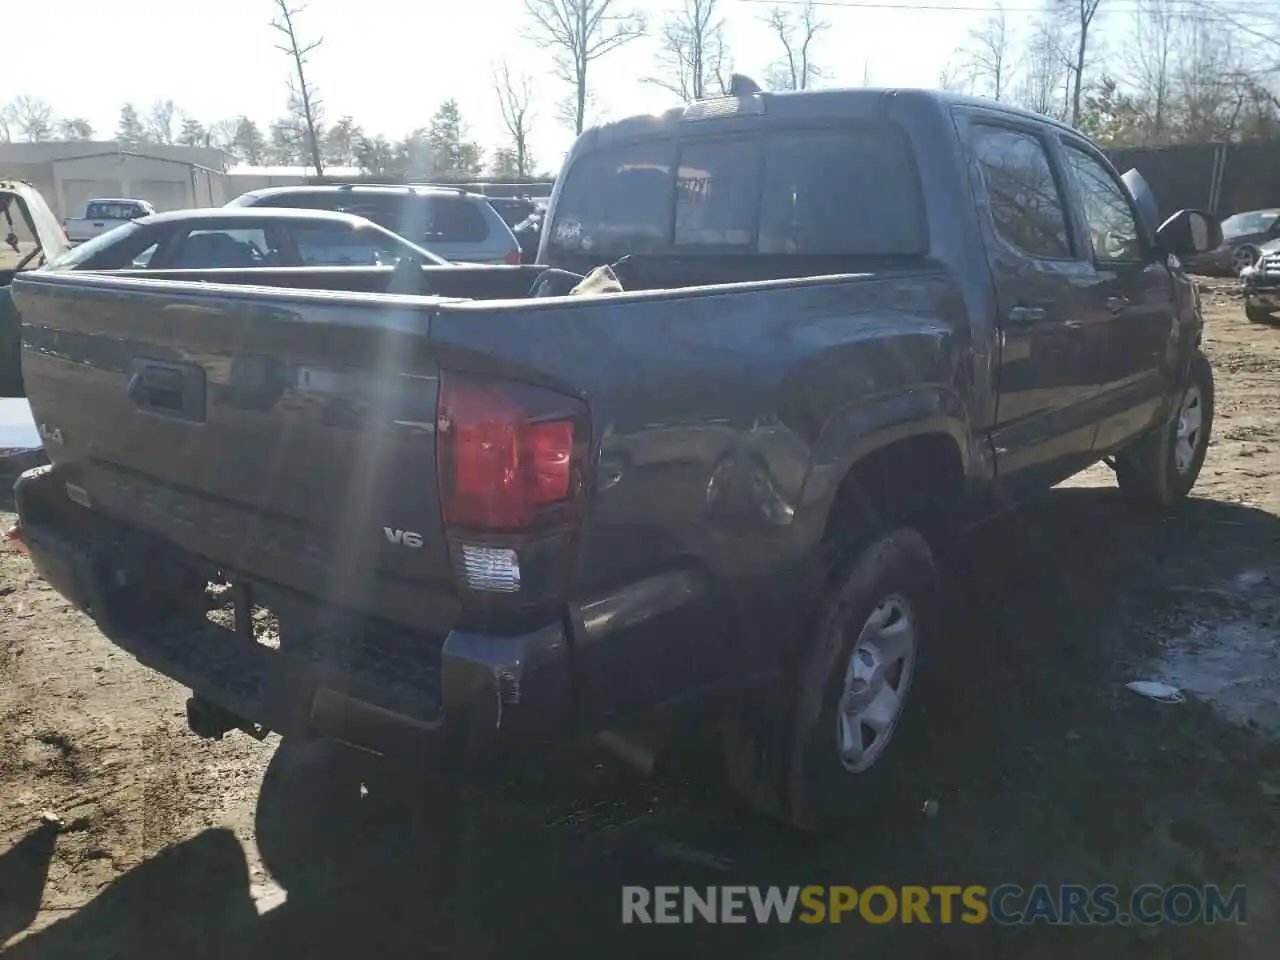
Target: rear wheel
(1257,314)
(1163,467)
(824,757)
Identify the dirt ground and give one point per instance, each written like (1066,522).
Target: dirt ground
(9,258)
(1042,766)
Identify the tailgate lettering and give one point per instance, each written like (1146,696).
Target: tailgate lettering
(405,538)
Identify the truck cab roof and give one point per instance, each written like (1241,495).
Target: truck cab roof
(793,106)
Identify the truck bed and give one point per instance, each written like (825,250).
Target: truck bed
(289,439)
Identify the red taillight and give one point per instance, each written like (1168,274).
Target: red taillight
(513,258)
(512,462)
(501,457)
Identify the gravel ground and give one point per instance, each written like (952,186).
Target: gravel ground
(1042,768)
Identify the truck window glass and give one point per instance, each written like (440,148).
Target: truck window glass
(391,213)
(1247,224)
(143,259)
(112,250)
(1113,232)
(851,193)
(293,200)
(212,249)
(717,192)
(616,201)
(1025,204)
(339,246)
(456,221)
(109,211)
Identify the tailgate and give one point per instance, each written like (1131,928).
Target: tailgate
(288,436)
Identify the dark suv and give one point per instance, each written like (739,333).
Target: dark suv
(452,224)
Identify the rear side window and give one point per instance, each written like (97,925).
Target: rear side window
(222,248)
(1026,207)
(456,221)
(326,245)
(854,193)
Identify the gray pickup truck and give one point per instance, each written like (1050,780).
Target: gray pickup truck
(487,518)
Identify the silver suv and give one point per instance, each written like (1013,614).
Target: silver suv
(451,223)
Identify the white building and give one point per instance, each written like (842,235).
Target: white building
(70,173)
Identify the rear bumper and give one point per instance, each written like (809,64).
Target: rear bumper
(471,703)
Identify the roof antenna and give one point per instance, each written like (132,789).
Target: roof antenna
(743,86)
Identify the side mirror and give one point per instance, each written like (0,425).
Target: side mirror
(1190,231)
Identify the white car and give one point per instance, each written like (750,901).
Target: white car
(103,215)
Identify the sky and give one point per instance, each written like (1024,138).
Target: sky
(390,63)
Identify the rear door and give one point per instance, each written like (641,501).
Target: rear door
(1131,300)
(1044,428)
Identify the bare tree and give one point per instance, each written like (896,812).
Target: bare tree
(1149,60)
(515,99)
(1043,86)
(160,121)
(75,128)
(987,55)
(954,78)
(222,134)
(796,31)
(30,117)
(693,56)
(1078,15)
(580,32)
(1210,82)
(303,96)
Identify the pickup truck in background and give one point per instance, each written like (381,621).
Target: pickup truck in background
(487,518)
(103,215)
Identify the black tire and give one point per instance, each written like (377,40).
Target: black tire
(1151,471)
(1248,253)
(1257,314)
(789,764)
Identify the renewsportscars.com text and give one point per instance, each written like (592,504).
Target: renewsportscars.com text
(1006,904)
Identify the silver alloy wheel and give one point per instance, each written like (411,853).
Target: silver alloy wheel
(876,682)
(1243,257)
(1190,421)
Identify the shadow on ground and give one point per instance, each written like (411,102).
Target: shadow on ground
(1043,767)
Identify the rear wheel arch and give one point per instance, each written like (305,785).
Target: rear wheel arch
(917,480)
(893,505)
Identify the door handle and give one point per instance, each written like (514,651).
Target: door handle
(1027,314)
(175,390)
(1116,304)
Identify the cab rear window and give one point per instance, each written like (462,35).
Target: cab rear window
(853,191)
